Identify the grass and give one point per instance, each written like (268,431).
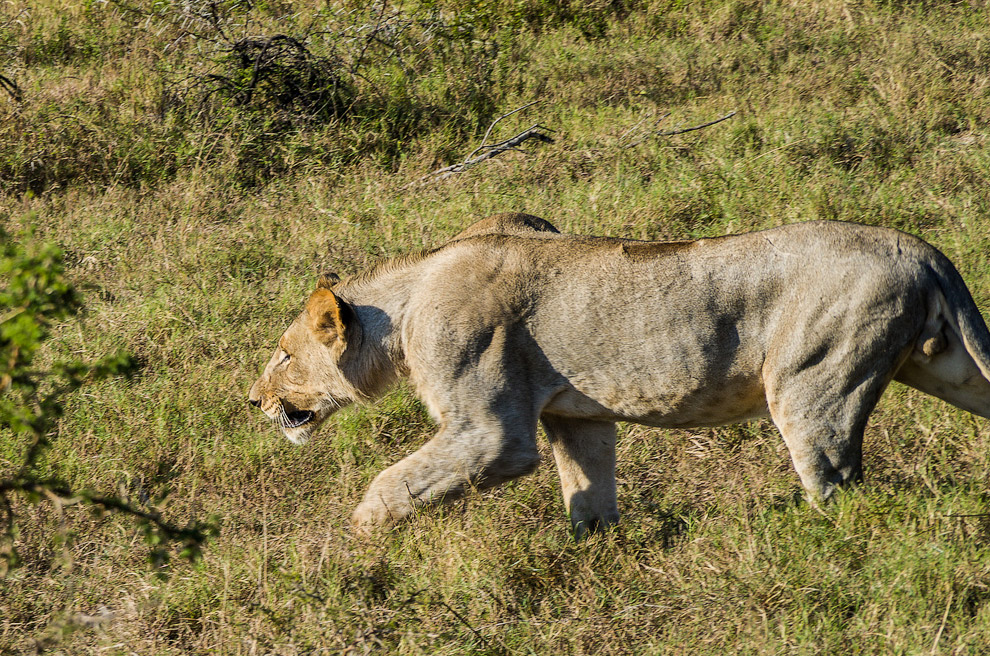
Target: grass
(194,226)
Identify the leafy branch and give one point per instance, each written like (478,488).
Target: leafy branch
(34,294)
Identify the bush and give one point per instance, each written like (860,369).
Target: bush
(34,294)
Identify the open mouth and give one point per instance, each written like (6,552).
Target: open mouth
(297,418)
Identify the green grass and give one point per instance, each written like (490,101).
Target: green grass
(195,227)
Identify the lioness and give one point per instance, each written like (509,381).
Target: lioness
(512,322)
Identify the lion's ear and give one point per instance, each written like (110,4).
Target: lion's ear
(330,318)
(327,280)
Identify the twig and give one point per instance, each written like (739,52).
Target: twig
(16,18)
(639,123)
(53,489)
(533,132)
(415,598)
(368,39)
(10,87)
(773,150)
(492,126)
(938,636)
(668,133)
(218,22)
(464,622)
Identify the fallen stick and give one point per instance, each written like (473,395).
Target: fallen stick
(667,133)
(488,132)
(493,150)
(10,87)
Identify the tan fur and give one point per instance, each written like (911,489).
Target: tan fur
(512,323)
(507,223)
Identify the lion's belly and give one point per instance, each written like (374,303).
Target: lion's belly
(660,360)
(642,401)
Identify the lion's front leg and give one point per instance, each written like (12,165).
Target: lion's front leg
(460,456)
(585,455)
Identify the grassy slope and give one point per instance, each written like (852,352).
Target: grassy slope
(196,240)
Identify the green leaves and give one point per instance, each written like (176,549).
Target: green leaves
(34,294)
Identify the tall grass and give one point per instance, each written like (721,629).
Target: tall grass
(195,219)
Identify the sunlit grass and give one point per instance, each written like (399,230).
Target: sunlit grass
(195,233)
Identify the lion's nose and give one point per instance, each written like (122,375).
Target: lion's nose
(255,402)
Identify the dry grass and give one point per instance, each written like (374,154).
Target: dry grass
(195,232)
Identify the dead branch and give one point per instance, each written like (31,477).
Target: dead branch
(535,131)
(488,132)
(10,87)
(493,150)
(281,72)
(668,133)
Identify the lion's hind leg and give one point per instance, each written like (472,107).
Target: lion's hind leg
(826,452)
(822,415)
(941,365)
(585,454)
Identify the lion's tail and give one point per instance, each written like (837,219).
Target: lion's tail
(951,357)
(963,316)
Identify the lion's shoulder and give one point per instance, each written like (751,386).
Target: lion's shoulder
(507,223)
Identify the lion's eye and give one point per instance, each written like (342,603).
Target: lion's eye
(285,360)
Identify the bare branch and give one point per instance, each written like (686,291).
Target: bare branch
(368,39)
(668,133)
(493,150)
(488,132)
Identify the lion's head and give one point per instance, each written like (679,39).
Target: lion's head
(304,382)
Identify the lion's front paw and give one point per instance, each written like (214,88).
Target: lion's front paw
(370,514)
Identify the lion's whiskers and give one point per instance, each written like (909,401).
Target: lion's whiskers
(283,417)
